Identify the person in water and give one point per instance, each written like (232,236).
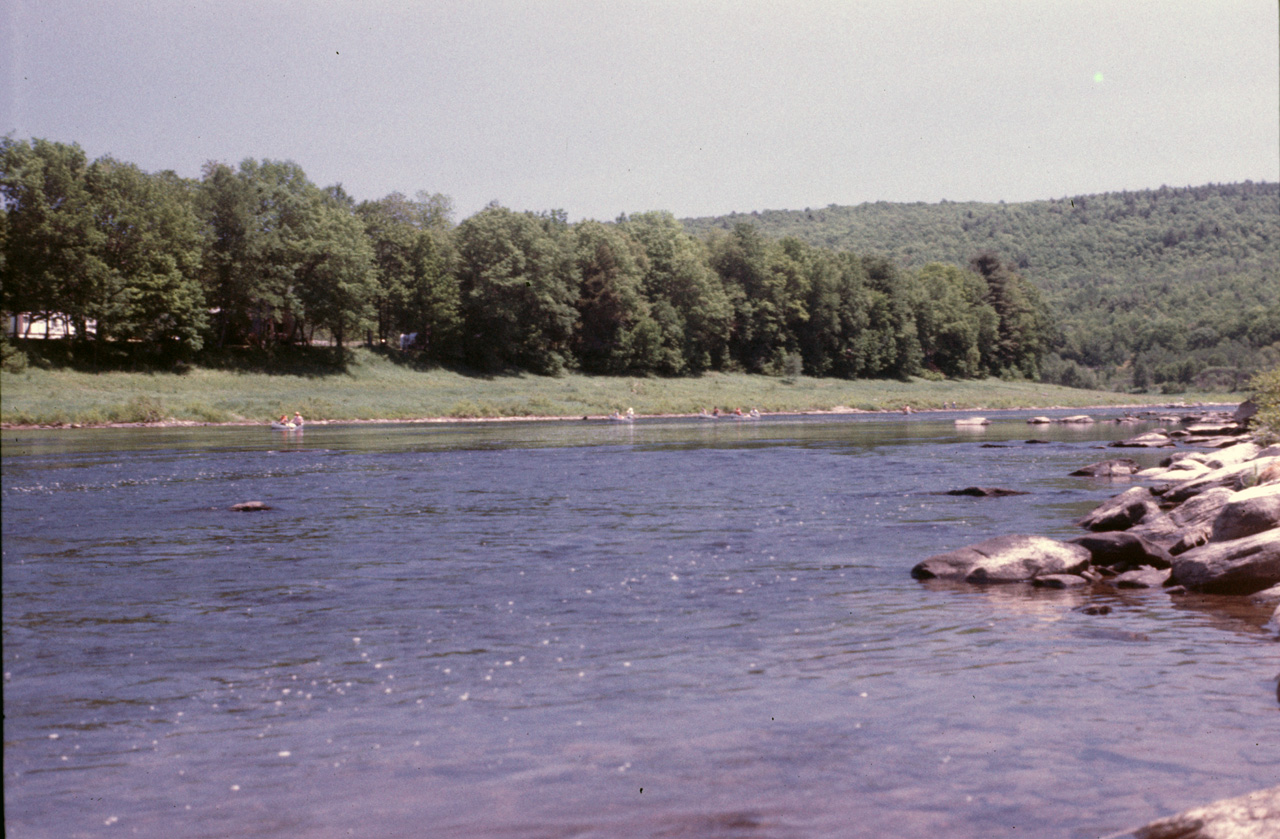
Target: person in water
(297,419)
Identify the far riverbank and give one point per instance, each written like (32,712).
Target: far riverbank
(374,389)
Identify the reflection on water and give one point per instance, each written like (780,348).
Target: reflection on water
(678,628)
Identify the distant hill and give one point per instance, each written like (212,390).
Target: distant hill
(1153,278)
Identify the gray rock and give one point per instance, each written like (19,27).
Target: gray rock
(1252,816)
(1124,551)
(1267,595)
(1187,525)
(1150,440)
(1240,566)
(1060,581)
(1236,453)
(1005,559)
(249,507)
(1232,477)
(1120,467)
(1247,512)
(1144,577)
(985,492)
(1123,511)
(1039,421)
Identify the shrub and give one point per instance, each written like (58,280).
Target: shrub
(1266,395)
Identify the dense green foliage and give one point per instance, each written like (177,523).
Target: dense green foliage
(1146,288)
(1266,395)
(1167,286)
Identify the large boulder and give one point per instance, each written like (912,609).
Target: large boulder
(1240,566)
(1124,551)
(1252,816)
(1233,477)
(1005,559)
(1123,511)
(1188,525)
(1247,512)
(1232,455)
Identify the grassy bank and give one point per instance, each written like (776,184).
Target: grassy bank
(374,387)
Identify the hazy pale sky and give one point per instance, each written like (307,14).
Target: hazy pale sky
(602,106)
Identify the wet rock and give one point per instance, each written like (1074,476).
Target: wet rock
(1038,442)
(1240,566)
(1143,577)
(1005,559)
(1060,581)
(1252,816)
(1120,467)
(1214,429)
(1247,512)
(1094,610)
(1079,419)
(1122,512)
(985,492)
(1267,595)
(1039,421)
(1150,440)
(973,421)
(250,507)
(1124,551)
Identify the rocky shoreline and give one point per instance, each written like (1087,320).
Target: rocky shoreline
(1204,521)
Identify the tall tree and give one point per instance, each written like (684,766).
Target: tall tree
(148,289)
(518,286)
(688,303)
(53,246)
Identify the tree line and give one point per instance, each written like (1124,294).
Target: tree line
(258,254)
(1170,287)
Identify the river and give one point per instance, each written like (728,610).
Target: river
(672,628)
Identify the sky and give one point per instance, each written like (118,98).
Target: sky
(700,108)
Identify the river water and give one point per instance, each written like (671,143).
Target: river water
(667,629)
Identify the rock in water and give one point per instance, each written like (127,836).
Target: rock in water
(1252,816)
(1005,559)
(1124,511)
(1240,566)
(1124,551)
(985,492)
(1121,467)
(249,507)
(1247,512)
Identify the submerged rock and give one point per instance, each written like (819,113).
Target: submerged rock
(1005,559)
(1143,577)
(985,492)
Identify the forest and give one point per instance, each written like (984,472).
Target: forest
(257,256)
(1170,287)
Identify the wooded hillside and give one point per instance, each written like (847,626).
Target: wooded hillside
(1157,286)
